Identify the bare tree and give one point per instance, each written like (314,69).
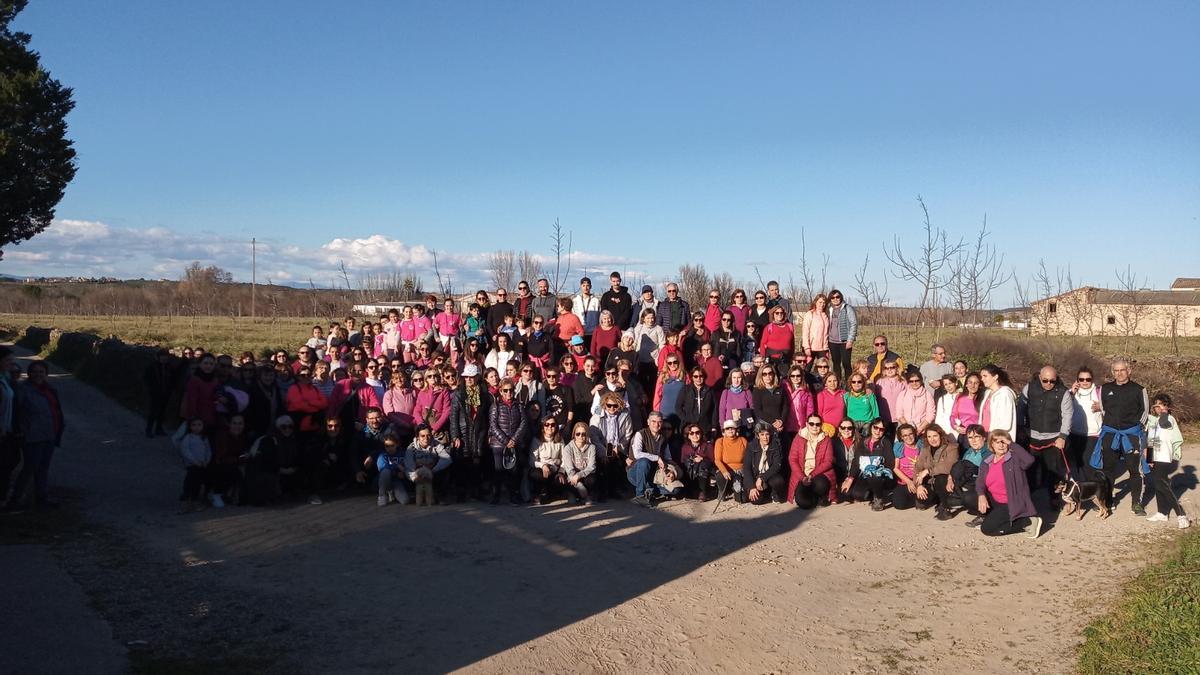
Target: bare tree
(445,287)
(873,297)
(928,266)
(499,265)
(1132,306)
(529,267)
(978,271)
(807,281)
(562,269)
(694,285)
(724,284)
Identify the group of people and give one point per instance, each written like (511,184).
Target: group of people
(602,397)
(31,427)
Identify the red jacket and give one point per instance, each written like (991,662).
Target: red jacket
(781,337)
(306,400)
(714,374)
(824,465)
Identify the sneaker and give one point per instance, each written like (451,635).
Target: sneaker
(1035,528)
(315,500)
(1138,509)
(382,501)
(975,522)
(944,514)
(217,501)
(1157,518)
(643,500)
(877,505)
(1184,522)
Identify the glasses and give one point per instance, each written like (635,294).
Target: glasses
(880,344)
(856,381)
(1085,379)
(877,427)
(1045,381)
(502,295)
(418,379)
(821,367)
(697,377)
(916,381)
(506,390)
(760,297)
(796,376)
(672,291)
(672,362)
(579,434)
(551,376)
(889,367)
(850,428)
(537,323)
(610,372)
(814,424)
(725,319)
(549,425)
(739,295)
(611,406)
(835,297)
(714,297)
(522,288)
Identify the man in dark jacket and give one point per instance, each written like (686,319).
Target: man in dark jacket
(618,301)
(159,377)
(1120,446)
(1044,414)
(499,309)
(673,313)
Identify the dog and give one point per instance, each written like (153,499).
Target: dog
(1075,493)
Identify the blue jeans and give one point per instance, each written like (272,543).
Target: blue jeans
(641,475)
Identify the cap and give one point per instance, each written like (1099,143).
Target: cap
(729,424)
(647,289)
(576,339)
(471,370)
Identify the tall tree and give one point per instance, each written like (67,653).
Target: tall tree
(36,157)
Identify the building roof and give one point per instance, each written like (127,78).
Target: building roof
(1186,283)
(1108,296)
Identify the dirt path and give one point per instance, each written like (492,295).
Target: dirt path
(350,587)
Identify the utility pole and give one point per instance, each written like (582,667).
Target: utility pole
(253,274)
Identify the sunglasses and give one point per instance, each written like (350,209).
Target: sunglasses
(919,382)
(579,434)
(693,433)
(856,381)
(846,428)
(714,297)
(673,362)
(549,425)
(1045,381)
(877,427)
(506,391)
(1085,379)
(880,344)
(814,424)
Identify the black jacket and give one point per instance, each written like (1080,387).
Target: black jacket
(770,404)
(754,453)
(620,303)
(496,314)
(472,431)
(698,407)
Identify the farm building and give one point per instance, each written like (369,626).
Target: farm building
(1102,311)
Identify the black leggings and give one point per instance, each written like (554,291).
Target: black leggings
(902,499)
(840,358)
(1160,475)
(873,487)
(998,523)
(776,487)
(193,483)
(815,492)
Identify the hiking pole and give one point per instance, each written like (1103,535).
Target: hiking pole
(721,495)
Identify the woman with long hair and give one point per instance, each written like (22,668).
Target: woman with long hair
(778,339)
(862,405)
(966,406)
(612,431)
(737,403)
(668,388)
(739,309)
(770,401)
(814,331)
(696,459)
(605,337)
(831,403)
(998,410)
(801,403)
(870,474)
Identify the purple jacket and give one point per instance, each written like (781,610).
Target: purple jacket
(1020,505)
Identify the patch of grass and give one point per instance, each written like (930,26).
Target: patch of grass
(1154,626)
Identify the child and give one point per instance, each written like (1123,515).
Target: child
(424,457)
(509,328)
(475,327)
(861,367)
(1164,444)
(391,472)
(750,342)
(196,453)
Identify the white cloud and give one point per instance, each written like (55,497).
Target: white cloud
(91,248)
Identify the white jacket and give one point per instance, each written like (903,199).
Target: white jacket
(1000,408)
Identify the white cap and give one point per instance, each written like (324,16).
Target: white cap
(470,370)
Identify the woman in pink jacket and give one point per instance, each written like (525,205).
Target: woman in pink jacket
(814,331)
(915,404)
(888,388)
(800,404)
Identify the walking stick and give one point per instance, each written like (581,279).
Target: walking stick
(721,495)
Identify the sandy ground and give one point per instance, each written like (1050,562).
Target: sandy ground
(350,587)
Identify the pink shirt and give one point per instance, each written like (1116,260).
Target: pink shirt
(739,316)
(831,408)
(712,317)
(447,323)
(408,330)
(908,457)
(964,412)
(889,393)
(997,486)
(914,406)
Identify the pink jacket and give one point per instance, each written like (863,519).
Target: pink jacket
(914,406)
(800,404)
(889,396)
(831,407)
(739,316)
(964,412)
(398,405)
(814,332)
(712,317)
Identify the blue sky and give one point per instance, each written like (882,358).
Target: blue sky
(658,133)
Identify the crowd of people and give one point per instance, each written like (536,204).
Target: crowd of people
(592,397)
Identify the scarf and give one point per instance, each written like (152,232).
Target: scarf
(472,398)
(811,440)
(762,460)
(736,390)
